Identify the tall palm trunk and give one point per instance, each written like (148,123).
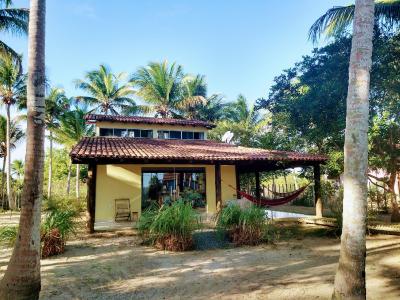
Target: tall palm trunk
(8,158)
(350,276)
(50,179)
(22,278)
(69,177)
(77,181)
(3,181)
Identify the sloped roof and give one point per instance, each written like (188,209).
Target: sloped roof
(133,149)
(147,120)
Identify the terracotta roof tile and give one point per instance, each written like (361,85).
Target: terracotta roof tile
(120,149)
(147,120)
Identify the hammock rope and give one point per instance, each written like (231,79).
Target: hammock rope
(263,201)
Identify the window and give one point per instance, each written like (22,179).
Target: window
(198,135)
(163,186)
(146,133)
(120,132)
(175,135)
(136,133)
(184,135)
(106,132)
(187,135)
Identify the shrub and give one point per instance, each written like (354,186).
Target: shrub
(8,235)
(170,227)
(63,203)
(56,228)
(244,226)
(193,197)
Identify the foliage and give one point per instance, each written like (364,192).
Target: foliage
(338,19)
(245,226)
(107,92)
(8,235)
(60,219)
(193,197)
(168,90)
(61,202)
(171,227)
(14,21)
(243,120)
(12,81)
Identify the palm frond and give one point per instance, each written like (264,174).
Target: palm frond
(337,19)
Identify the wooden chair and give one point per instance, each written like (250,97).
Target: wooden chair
(122,210)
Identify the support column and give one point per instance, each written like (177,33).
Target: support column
(317,191)
(258,192)
(237,182)
(218,192)
(91,198)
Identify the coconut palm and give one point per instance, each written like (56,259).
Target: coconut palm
(56,103)
(17,168)
(243,120)
(166,89)
(14,21)
(16,135)
(107,93)
(212,110)
(22,277)
(12,90)
(337,19)
(194,93)
(350,276)
(72,128)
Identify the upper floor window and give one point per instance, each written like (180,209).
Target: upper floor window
(137,133)
(180,135)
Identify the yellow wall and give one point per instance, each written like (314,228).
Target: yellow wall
(228,176)
(154,127)
(124,182)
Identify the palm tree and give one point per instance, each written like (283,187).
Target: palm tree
(243,120)
(337,19)
(22,277)
(16,135)
(56,103)
(108,93)
(15,21)
(212,110)
(166,89)
(12,90)
(17,167)
(350,276)
(72,128)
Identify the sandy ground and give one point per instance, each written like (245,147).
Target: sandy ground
(116,266)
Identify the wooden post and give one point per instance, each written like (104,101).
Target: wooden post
(317,191)
(91,198)
(237,182)
(258,194)
(218,193)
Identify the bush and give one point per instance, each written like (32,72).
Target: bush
(63,203)
(8,235)
(170,227)
(244,226)
(193,197)
(56,228)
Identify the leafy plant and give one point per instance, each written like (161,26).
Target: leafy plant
(63,220)
(244,226)
(8,235)
(194,198)
(170,227)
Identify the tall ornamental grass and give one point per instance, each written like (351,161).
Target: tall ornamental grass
(244,226)
(170,227)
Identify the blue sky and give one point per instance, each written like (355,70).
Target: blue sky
(239,45)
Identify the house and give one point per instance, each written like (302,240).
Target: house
(141,160)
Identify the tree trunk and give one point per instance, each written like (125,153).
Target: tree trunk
(77,182)
(395,217)
(3,181)
(22,277)
(69,177)
(50,179)
(350,276)
(8,158)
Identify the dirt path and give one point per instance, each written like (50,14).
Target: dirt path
(118,268)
